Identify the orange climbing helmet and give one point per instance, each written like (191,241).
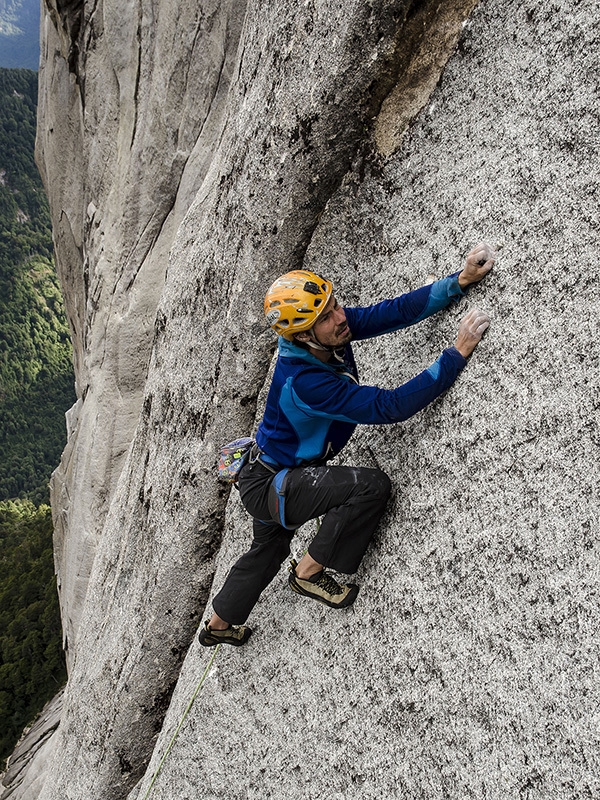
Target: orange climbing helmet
(294,302)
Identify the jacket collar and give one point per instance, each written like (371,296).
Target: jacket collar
(288,349)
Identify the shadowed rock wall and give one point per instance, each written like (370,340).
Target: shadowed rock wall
(467,667)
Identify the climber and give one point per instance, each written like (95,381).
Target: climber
(314,404)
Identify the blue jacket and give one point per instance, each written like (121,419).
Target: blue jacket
(313,407)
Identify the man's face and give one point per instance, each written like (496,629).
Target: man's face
(331,328)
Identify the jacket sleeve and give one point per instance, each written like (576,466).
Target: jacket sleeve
(324,394)
(408,309)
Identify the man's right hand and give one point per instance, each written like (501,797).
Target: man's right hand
(470,331)
(477,265)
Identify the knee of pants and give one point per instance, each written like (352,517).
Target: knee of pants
(270,532)
(283,550)
(380,485)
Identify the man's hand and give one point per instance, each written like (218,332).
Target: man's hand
(479,262)
(470,331)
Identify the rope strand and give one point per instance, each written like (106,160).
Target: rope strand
(182,720)
(187,711)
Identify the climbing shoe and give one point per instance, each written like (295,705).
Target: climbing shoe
(324,588)
(235,635)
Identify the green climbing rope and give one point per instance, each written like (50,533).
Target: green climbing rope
(181,721)
(187,711)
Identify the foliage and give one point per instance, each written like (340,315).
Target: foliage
(36,387)
(32,665)
(36,377)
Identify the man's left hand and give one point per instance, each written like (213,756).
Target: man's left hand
(477,265)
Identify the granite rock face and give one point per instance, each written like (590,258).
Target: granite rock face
(121,173)
(191,155)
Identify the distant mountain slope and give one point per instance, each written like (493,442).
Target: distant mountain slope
(32,664)
(36,387)
(19,33)
(36,376)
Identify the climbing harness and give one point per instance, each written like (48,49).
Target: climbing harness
(185,713)
(276,499)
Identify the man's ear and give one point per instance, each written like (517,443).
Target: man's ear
(302,337)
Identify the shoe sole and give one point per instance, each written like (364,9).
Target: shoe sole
(347,601)
(211,641)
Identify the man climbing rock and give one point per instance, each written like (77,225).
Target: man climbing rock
(314,403)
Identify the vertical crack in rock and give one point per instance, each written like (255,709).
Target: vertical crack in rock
(68,18)
(136,90)
(430,34)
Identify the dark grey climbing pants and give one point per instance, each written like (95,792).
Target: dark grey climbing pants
(352,500)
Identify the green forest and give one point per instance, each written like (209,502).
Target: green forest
(31,659)
(36,388)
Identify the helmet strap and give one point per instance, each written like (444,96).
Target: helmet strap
(316,344)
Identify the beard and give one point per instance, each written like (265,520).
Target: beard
(343,335)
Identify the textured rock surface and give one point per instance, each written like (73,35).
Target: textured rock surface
(28,763)
(468,666)
(129,111)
